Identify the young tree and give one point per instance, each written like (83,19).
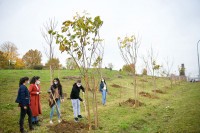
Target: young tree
(32,58)
(3,61)
(49,39)
(10,52)
(153,66)
(80,39)
(129,51)
(167,69)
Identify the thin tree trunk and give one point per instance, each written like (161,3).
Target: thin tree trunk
(87,100)
(96,105)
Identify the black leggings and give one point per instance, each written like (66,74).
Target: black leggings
(22,116)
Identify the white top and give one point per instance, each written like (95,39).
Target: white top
(104,86)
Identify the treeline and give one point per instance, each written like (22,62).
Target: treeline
(32,59)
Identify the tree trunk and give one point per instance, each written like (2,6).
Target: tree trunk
(96,104)
(135,92)
(87,101)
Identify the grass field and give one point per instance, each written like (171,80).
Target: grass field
(177,110)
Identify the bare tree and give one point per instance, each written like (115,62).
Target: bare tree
(50,25)
(153,67)
(128,47)
(168,69)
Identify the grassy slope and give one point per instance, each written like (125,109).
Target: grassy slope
(176,111)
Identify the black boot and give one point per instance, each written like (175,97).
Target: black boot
(22,131)
(80,116)
(37,123)
(76,119)
(33,123)
(31,128)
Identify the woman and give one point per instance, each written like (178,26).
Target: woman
(56,96)
(35,105)
(75,98)
(103,89)
(23,99)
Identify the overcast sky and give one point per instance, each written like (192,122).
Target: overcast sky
(172,27)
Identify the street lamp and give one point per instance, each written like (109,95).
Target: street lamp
(198,57)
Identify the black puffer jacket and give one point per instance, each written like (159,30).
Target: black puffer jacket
(75,92)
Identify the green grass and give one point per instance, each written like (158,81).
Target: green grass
(176,111)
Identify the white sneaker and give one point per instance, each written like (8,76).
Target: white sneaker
(59,121)
(51,122)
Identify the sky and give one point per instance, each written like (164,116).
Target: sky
(171,27)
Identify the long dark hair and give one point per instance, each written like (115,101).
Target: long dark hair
(102,81)
(58,85)
(23,80)
(34,78)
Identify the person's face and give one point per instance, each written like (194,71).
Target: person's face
(102,80)
(27,82)
(37,81)
(55,82)
(78,84)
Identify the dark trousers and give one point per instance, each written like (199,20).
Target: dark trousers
(22,116)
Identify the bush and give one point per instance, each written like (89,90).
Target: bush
(38,67)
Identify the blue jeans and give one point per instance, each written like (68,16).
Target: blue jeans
(52,110)
(103,96)
(34,118)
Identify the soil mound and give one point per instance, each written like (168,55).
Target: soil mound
(158,91)
(116,86)
(131,102)
(69,127)
(71,77)
(146,94)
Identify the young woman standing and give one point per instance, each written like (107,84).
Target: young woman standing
(23,99)
(103,89)
(56,96)
(35,105)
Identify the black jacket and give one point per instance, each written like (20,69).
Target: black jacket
(75,92)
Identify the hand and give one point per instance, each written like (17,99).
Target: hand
(62,100)
(25,107)
(37,93)
(83,92)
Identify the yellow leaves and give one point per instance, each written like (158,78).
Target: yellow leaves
(62,48)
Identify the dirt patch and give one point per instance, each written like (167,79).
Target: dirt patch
(116,86)
(71,77)
(158,91)
(143,80)
(69,127)
(131,102)
(146,94)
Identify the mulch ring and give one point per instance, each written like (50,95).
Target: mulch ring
(116,86)
(69,127)
(71,77)
(158,91)
(146,94)
(131,102)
